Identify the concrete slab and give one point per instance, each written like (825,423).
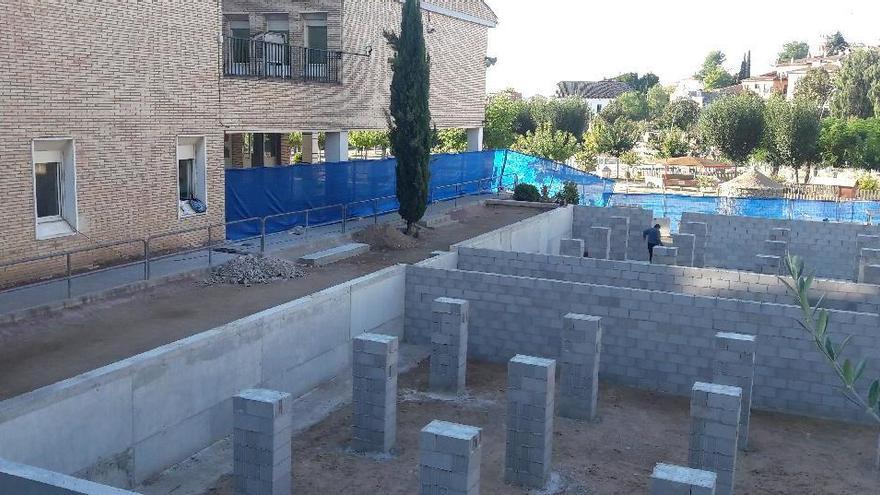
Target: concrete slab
(335,254)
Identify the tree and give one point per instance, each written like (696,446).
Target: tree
(657,101)
(815,87)
(614,138)
(671,143)
(631,105)
(793,50)
(501,113)
(718,78)
(734,125)
(641,84)
(571,114)
(791,135)
(857,85)
(851,142)
(363,141)
(835,44)
(410,117)
(681,114)
(548,143)
(713,60)
(450,141)
(745,67)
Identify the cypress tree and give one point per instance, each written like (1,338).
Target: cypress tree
(410,119)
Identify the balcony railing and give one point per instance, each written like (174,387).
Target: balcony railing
(263,59)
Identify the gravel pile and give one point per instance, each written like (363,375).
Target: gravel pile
(250,269)
(385,236)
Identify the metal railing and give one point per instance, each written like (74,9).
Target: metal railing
(147,257)
(264,59)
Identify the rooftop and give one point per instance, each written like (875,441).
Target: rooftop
(592,89)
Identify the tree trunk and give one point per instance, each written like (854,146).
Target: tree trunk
(797,177)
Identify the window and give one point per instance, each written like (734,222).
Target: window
(278,24)
(240,30)
(191,176)
(598,107)
(54,187)
(315,33)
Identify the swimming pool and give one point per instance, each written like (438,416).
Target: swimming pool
(673,205)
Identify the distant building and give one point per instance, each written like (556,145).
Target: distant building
(598,94)
(689,89)
(784,77)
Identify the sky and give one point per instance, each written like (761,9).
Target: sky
(539,43)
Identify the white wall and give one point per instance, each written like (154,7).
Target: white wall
(538,234)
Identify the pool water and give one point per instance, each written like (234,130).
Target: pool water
(673,205)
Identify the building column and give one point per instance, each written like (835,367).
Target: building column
(531,385)
(310,149)
(262,424)
(715,417)
(475,139)
(449,345)
(374,392)
(336,147)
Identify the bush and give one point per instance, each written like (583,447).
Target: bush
(569,194)
(526,192)
(868,183)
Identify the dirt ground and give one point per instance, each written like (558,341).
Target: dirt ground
(788,455)
(44,350)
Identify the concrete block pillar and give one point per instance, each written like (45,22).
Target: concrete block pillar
(768,264)
(685,244)
(783,235)
(262,427)
(336,147)
(868,256)
(374,393)
(864,241)
(571,247)
(450,459)
(579,366)
(530,388)
(665,255)
(776,248)
(599,243)
(715,415)
(668,479)
(700,230)
(475,139)
(871,274)
(449,338)
(734,365)
(619,227)
(310,150)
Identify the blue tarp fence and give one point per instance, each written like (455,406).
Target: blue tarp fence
(285,193)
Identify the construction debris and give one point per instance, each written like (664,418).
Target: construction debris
(249,270)
(385,236)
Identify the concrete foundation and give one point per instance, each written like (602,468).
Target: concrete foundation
(599,242)
(669,479)
(665,255)
(734,365)
(20,479)
(571,247)
(579,366)
(262,427)
(450,459)
(685,244)
(700,231)
(374,394)
(715,415)
(449,345)
(530,404)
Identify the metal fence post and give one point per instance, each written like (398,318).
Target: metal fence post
(375,212)
(69,273)
(147,269)
(344,216)
(307,223)
(263,235)
(210,246)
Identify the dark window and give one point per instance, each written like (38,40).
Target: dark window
(186,179)
(48,186)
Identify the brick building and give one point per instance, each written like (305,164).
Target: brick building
(119,115)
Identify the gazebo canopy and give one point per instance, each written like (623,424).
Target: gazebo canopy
(753,180)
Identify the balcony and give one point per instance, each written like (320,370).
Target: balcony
(267,60)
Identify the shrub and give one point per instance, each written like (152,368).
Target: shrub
(526,192)
(868,183)
(569,194)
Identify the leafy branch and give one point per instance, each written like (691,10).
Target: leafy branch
(815,321)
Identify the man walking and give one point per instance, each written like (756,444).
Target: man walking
(652,235)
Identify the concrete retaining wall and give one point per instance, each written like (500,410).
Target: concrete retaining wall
(19,479)
(846,296)
(828,248)
(640,219)
(537,234)
(124,422)
(653,340)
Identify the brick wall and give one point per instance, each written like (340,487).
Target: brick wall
(652,340)
(845,296)
(828,248)
(639,220)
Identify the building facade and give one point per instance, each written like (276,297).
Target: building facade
(119,116)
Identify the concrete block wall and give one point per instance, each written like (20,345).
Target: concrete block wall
(831,249)
(715,414)
(665,255)
(734,365)
(654,340)
(668,479)
(846,296)
(374,393)
(571,247)
(599,242)
(450,459)
(20,479)
(685,244)
(868,257)
(538,234)
(700,231)
(449,345)
(123,438)
(261,438)
(585,217)
(579,366)
(531,393)
(768,264)
(865,241)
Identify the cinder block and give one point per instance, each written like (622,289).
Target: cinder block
(579,366)
(450,459)
(776,248)
(619,227)
(864,241)
(530,404)
(734,364)
(374,392)
(685,244)
(871,274)
(780,234)
(599,243)
(668,479)
(449,340)
(867,256)
(715,417)
(665,255)
(571,247)
(262,424)
(768,264)
(700,230)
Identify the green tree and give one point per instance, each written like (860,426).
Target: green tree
(501,113)
(718,78)
(835,44)
(681,114)
(451,141)
(816,87)
(671,143)
(547,143)
(571,115)
(410,117)
(791,135)
(793,50)
(851,142)
(857,85)
(745,67)
(714,60)
(631,105)
(613,137)
(734,125)
(641,84)
(657,101)
(363,141)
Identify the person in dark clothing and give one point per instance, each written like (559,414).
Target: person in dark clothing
(652,235)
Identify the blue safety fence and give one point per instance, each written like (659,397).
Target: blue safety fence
(540,172)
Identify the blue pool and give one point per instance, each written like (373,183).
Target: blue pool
(673,205)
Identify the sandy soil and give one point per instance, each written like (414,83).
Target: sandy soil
(44,350)
(788,455)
